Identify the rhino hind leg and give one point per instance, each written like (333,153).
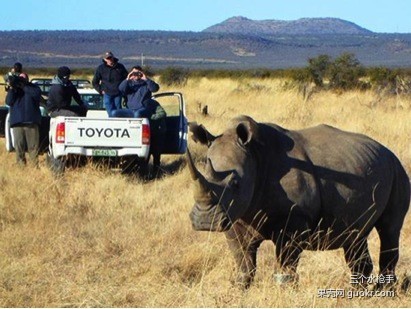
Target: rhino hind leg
(389,227)
(389,255)
(359,261)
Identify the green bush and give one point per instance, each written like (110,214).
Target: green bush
(383,77)
(318,69)
(174,76)
(345,73)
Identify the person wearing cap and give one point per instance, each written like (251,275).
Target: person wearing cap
(106,80)
(61,93)
(24,98)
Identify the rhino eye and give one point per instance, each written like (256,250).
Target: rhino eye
(234,184)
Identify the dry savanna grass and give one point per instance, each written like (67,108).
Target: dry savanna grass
(94,238)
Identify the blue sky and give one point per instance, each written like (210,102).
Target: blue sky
(192,15)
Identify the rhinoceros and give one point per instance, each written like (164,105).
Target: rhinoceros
(318,188)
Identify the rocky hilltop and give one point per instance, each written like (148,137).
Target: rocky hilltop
(243,25)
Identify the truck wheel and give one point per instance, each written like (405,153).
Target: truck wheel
(134,165)
(143,168)
(57,166)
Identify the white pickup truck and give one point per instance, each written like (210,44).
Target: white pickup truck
(122,141)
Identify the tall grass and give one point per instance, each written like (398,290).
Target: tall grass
(94,238)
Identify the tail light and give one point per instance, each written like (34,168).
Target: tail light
(146,134)
(60,132)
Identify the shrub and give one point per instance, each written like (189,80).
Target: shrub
(383,77)
(318,68)
(345,73)
(174,76)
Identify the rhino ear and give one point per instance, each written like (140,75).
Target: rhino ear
(247,131)
(244,134)
(200,134)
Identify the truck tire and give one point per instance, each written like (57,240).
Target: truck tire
(57,166)
(134,165)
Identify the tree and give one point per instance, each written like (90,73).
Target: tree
(345,72)
(318,68)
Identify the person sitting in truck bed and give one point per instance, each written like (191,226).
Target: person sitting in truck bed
(62,91)
(139,88)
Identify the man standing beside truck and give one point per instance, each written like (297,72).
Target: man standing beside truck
(24,98)
(106,80)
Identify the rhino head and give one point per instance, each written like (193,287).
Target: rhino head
(223,193)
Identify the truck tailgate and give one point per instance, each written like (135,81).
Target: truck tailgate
(108,132)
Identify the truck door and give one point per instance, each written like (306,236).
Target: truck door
(176,121)
(4,110)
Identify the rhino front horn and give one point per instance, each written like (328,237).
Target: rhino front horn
(193,170)
(202,190)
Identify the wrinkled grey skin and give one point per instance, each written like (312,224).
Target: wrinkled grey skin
(315,189)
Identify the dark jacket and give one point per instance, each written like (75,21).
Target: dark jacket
(24,105)
(108,78)
(157,116)
(61,94)
(137,92)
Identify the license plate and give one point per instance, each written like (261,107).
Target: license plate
(104,152)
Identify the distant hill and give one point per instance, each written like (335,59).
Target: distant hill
(243,25)
(209,49)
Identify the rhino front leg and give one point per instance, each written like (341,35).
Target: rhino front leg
(288,255)
(288,250)
(244,247)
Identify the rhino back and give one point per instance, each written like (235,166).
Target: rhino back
(338,178)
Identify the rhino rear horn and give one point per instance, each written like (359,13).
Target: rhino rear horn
(212,171)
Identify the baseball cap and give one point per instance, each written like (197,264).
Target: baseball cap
(108,55)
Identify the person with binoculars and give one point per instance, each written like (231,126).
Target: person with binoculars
(138,89)
(24,98)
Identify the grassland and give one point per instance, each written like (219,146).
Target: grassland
(94,238)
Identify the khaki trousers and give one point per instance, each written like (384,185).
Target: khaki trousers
(26,137)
